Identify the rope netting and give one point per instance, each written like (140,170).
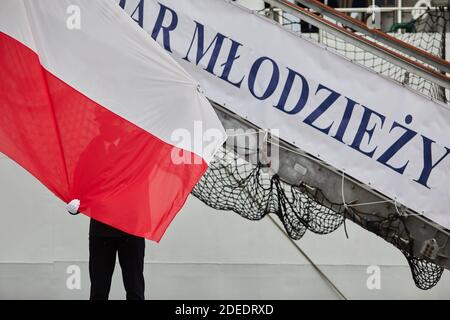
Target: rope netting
(426,32)
(253,191)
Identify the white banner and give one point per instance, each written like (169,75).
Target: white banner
(374,130)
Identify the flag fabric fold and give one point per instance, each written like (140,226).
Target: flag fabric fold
(93,111)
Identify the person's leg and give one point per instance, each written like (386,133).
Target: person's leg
(131,258)
(102,260)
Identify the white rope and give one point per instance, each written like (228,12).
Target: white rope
(369,203)
(396,208)
(303,154)
(266,134)
(342,190)
(344,203)
(247,133)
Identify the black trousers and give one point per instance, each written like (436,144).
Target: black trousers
(102,260)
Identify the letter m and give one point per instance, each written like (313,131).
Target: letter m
(217,43)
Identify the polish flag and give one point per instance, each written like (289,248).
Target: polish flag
(98,112)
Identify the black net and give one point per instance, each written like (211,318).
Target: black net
(425,274)
(250,190)
(426,32)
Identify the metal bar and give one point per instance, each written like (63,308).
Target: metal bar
(314,265)
(365,44)
(358,26)
(383,9)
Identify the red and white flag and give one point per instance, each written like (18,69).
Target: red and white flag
(91,105)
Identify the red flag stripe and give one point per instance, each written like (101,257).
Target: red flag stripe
(79,149)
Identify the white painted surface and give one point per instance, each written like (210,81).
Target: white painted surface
(205,254)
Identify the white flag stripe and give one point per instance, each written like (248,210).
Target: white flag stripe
(80,57)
